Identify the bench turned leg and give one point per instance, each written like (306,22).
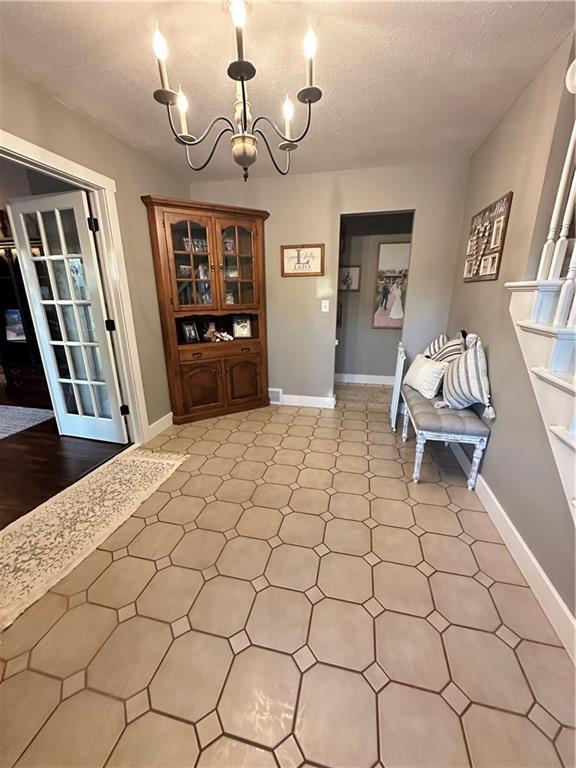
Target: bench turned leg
(420,443)
(405,424)
(476,459)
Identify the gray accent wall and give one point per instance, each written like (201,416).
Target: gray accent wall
(32,114)
(362,349)
(519,466)
(306,208)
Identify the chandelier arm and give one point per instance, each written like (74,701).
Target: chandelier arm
(273,125)
(211,155)
(285,172)
(195,142)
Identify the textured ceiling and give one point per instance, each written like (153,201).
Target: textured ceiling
(403,81)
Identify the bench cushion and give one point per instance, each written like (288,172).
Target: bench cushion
(444,420)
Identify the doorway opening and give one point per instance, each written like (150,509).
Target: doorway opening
(52,352)
(373,278)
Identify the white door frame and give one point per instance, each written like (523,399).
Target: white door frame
(102,194)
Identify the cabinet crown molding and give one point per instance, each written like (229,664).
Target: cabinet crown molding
(151,201)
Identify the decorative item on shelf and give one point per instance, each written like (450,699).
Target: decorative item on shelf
(231,273)
(391,284)
(245,131)
(486,241)
(190,332)
(203,271)
(229,245)
(5,231)
(349,278)
(242,328)
(214,335)
(302,260)
(229,298)
(187,241)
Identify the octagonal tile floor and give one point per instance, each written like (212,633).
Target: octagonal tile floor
(290,598)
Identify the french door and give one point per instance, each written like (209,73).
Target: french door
(59,265)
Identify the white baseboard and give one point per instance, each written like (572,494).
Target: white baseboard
(558,613)
(308,401)
(158,426)
(362,378)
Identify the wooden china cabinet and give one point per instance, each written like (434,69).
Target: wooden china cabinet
(209,266)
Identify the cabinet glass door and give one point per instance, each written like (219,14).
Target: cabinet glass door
(190,249)
(238,265)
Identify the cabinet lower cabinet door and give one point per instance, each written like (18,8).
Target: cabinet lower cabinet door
(202,386)
(243,380)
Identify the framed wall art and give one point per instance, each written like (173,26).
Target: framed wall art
(486,241)
(391,285)
(349,278)
(302,260)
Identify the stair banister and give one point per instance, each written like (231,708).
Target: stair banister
(567,293)
(549,245)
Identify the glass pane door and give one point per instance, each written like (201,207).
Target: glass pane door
(65,294)
(190,249)
(238,266)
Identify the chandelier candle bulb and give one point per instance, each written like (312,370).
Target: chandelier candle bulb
(310,46)
(182,105)
(238,11)
(288,110)
(161,53)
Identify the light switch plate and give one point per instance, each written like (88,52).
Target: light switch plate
(325,305)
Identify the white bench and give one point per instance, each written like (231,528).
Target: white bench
(446,425)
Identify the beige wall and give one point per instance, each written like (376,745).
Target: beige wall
(519,465)
(33,115)
(362,349)
(306,208)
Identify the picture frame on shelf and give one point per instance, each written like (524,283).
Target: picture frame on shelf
(302,260)
(349,278)
(242,327)
(189,331)
(14,326)
(200,245)
(229,245)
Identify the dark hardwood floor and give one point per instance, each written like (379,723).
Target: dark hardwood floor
(37,463)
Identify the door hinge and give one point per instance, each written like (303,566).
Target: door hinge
(110,325)
(124,410)
(93,225)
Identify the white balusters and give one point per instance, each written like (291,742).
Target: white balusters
(549,245)
(566,298)
(562,242)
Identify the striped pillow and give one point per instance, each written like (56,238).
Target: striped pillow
(466,381)
(435,346)
(451,350)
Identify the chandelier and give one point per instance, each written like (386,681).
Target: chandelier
(245,131)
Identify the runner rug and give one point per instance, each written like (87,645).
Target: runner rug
(47,543)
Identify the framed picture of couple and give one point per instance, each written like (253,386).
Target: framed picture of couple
(391,284)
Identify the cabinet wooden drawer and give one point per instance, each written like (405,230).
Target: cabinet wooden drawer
(218,350)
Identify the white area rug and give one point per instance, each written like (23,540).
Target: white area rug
(15,419)
(44,545)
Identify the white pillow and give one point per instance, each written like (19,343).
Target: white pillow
(425,376)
